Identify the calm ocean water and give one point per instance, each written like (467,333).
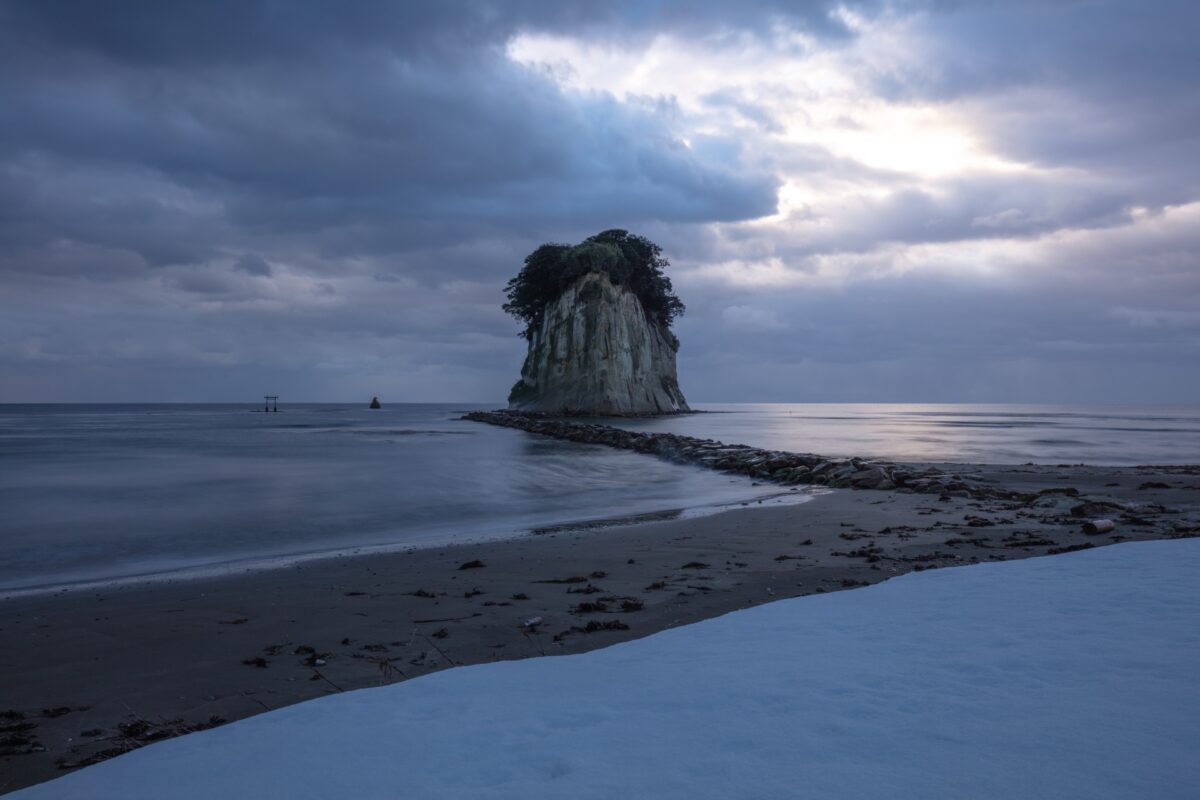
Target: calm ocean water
(988,434)
(98,492)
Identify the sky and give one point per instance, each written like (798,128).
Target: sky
(921,201)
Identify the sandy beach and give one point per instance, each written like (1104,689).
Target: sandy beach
(92,673)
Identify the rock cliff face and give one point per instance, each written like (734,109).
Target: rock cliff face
(596,352)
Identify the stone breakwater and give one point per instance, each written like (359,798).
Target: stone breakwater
(777,466)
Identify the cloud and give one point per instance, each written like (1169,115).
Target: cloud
(749,318)
(253,264)
(861,200)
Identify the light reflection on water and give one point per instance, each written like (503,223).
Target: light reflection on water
(997,434)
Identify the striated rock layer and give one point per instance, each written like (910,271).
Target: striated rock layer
(596,352)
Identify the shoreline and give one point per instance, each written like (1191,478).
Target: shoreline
(92,673)
(428,540)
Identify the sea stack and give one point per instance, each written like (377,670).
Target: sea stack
(375,403)
(600,343)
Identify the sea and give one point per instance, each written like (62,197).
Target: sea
(97,494)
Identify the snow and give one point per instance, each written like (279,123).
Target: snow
(1065,677)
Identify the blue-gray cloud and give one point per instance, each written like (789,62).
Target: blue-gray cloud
(196,197)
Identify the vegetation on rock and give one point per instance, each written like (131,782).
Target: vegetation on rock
(629,260)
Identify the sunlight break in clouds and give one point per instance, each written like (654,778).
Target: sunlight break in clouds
(787,89)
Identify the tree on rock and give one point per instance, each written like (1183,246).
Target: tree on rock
(629,260)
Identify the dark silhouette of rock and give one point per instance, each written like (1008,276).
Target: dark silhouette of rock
(375,403)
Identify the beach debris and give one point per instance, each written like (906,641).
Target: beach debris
(598,574)
(476,564)
(695,565)
(871,553)
(588,589)
(531,622)
(632,604)
(475,592)
(17,744)
(440,633)
(238,621)
(1069,491)
(1096,526)
(446,619)
(1154,485)
(654,587)
(978,541)
(58,711)
(572,579)
(388,670)
(423,593)
(1095,508)
(598,607)
(136,733)
(594,626)
(1071,548)
(257,661)
(520,596)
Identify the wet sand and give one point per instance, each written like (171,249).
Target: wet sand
(88,674)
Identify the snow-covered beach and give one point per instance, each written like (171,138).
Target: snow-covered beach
(1071,676)
(95,672)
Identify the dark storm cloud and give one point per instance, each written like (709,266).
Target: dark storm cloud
(1111,48)
(357,130)
(252,264)
(197,198)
